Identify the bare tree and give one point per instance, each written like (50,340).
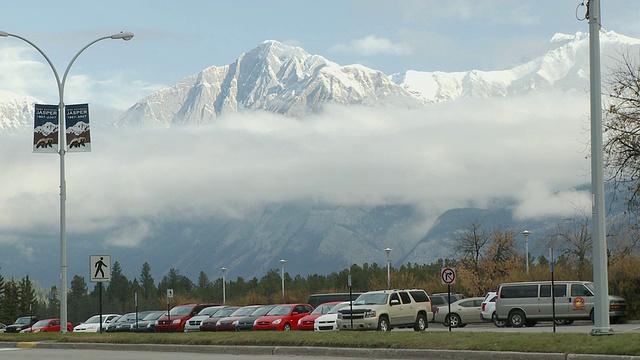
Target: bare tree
(469,245)
(572,239)
(622,130)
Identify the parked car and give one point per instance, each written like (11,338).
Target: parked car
(327,322)
(229,322)
(92,324)
(193,324)
(147,323)
(488,309)
(526,303)
(463,312)
(306,323)
(318,299)
(21,323)
(209,323)
(246,323)
(2,327)
(47,325)
(123,322)
(387,309)
(178,317)
(283,317)
(440,299)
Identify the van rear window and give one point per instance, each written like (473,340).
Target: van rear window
(519,291)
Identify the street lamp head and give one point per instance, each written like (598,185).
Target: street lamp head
(126,36)
(282,261)
(4,34)
(525,233)
(223,269)
(388,250)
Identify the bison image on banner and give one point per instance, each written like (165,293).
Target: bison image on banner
(45,129)
(77,131)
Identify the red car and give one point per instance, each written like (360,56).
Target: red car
(229,323)
(306,323)
(47,325)
(178,316)
(283,317)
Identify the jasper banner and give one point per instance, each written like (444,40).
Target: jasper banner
(45,129)
(77,128)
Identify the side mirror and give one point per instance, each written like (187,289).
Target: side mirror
(394,302)
(294,313)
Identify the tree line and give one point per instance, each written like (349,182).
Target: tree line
(483,259)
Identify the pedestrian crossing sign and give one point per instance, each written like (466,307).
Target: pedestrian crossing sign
(100,268)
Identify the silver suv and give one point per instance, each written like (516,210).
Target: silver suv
(387,309)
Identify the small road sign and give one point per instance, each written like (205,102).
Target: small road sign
(169,293)
(448,275)
(100,268)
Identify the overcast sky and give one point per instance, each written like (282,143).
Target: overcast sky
(459,154)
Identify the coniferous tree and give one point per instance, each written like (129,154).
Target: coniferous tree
(119,291)
(27,300)
(10,302)
(78,301)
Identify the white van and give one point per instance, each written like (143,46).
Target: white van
(526,303)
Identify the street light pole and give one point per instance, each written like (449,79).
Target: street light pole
(224,285)
(388,251)
(61,144)
(526,248)
(282,262)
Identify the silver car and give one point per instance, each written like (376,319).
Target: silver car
(463,312)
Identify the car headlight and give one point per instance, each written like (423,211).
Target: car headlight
(277,321)
(299,322)
(370,314)
(218,323)
(255,322)
(177,321)
(234,323)
(340,316)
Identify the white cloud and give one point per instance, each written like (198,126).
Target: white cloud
(373,45)
(538,202)
(449,155)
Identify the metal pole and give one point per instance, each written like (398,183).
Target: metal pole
(388,251)
(62,144)
(282,262)
(598,232)
(526,248)
(224,284)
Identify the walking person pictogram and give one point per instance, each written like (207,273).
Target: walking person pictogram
(99,265)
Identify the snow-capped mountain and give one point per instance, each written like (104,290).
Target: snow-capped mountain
(16,113)
(77,129)
(273,77)
(564,66)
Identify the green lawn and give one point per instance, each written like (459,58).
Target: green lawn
(619,344)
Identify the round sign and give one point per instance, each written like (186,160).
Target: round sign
(448,276)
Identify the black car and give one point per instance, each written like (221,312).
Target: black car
(124,322)
(23,322)
(147,323)
(246,323)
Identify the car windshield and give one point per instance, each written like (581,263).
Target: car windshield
(262,310)
(280,310)
(180,310)
(225,312)
(154,315)
(371,299)
(208,311)
(242,312)
(94,320)
(322,309)
(41,323)
(23,320)
(337,308)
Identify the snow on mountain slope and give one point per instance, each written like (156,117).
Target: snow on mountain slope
(16,113)
(272,77)
(564,66)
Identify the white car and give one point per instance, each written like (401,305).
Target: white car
(327,322)
(488,306)
(92,324)
(193,324)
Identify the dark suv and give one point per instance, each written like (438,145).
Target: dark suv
(21,323)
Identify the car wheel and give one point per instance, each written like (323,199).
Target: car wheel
(517,318)
(286,327)
(421,323)
(383,324)
(496,322)
(454,320)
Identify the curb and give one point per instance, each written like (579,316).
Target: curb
(321,352)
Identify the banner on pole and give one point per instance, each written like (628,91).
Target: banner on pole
(45,129)
(77,128)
